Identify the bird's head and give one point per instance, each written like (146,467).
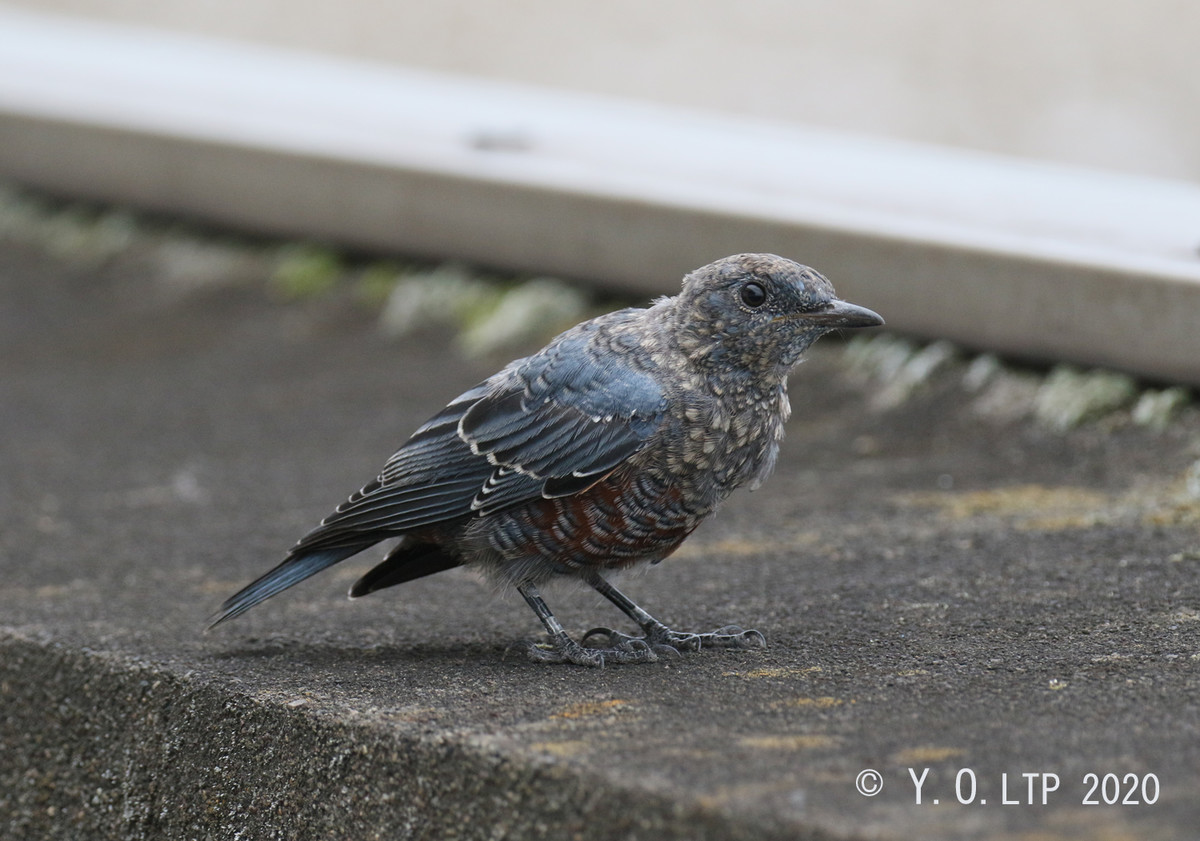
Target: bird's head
(759,313)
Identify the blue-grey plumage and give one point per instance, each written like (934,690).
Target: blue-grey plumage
(604,449)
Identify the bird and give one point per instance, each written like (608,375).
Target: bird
(602,451)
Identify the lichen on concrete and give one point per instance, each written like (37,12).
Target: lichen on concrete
(1069,396)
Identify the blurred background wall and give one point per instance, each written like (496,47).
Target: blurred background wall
(1107,83)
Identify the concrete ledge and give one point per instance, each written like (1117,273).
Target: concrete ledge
(1025,604)
(1031,260)
(95,747)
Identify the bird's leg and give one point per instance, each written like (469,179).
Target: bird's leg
(563,649)
(662,639)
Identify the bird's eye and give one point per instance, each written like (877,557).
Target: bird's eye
(753,295)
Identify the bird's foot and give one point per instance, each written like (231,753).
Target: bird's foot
(629,650)
(664,641)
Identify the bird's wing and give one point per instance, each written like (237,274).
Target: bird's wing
(432,478)
(549,425)
(565,419)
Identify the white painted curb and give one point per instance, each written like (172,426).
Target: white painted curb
(1028,259)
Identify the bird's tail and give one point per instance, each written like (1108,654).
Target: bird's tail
(291,571)
(408,560)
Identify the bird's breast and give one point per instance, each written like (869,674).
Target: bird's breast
(720,442)
(630,516)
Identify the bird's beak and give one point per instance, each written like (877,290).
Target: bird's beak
(844,314)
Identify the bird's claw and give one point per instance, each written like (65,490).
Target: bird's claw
(631,650)
(734,636)
(664,641)
(618,640)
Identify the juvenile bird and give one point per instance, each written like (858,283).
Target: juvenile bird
(602,450)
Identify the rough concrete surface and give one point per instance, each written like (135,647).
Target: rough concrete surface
(943,586)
